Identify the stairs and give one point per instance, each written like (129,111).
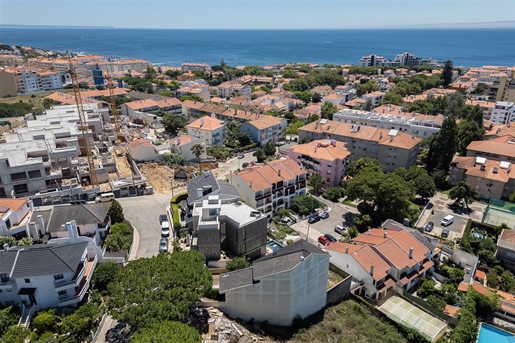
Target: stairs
(26,314)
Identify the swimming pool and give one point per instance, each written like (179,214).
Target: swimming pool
(490,334)
(274,246)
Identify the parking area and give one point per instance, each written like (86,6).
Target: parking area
(456,229)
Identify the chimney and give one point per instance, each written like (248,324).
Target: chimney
(31,205)
(6,247)
(278,172)
(33,230)
(372,270)
(250,183)
(200,193)
(346,250)
(410,252)
(41,225)
(72,231)
(385,234)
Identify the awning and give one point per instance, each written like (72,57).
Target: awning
(27,291)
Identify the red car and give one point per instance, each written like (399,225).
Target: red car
(323,240)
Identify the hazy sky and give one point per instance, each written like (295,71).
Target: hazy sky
(247,14)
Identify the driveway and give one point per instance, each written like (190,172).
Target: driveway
(456,229)
(143,213)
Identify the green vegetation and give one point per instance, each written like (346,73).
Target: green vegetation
(316,181)
(8,316)
(443,146)
(104,274)
(304,205)
(159,288)
(237,263)
(120,237)
(176,217)
(167,332)
(447,73)
(266,152)
(368,86)
(314,78)
(463,193)
(333,193)
(14,110)
(173,122)
(174,159)
(115,212)
(328,110)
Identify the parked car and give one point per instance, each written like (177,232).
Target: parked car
(314,219)
(330,237)
(445,233)
(163,218)
(429,227)
(165,229)
(447,220)
(339,229)
(163,245)
(324,215)
(240,156)
(323,240)
(245,164)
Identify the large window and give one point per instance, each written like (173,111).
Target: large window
(58,277)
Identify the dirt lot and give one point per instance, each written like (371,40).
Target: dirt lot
(37,101)
(160,178)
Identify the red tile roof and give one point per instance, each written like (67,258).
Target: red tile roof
(13,204)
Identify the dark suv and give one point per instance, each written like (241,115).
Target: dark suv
(314,219)
(429,227)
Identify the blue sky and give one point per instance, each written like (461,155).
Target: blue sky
(247,14)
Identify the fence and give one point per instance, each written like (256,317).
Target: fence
(422,303)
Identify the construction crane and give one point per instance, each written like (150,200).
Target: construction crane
(83,124)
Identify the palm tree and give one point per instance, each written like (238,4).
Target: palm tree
(316,181)
(197,150)
(463,192)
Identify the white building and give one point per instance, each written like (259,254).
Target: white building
(372,61)
(265,129)
(15,215)
(142,150)
(47,275)
(503,112)
(278,288)
(209,130)
(31,81)
(182,145)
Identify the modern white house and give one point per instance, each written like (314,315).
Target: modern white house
(15,215)
(56,274)
(503,112)
(277,288)
(182,145)
(142,150)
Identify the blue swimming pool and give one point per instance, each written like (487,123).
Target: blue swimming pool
(490,334)
(274,246)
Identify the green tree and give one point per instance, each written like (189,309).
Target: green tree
(427,288)
(173,122)
(269,149)
(512,196)
(192,98)
(304,205)
(8,316)
(104,273)
(367,87)
(304,96)
(120,237)
(293,127)
(316,98)
(333,193)
(356,166)
(507,281)
(167,332)
(237,263)
(260,155)
(174,159)
(159,288)
(467,132)
(150,73)
(80,323)
(368,106)
(463,193)
(436,302)
(115,212)
(425,186)
(48,103)
(44,321)
(197,150)
(316,181)
(328,110)
(492,279)
(447,73)
(443,146)
(17,334)
(454,275)
(485,304)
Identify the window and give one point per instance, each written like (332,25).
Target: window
(212,211)
(27,280)
(329,171)
(58,277)
(61,293)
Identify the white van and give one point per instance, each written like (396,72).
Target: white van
(447,220)
(106,197)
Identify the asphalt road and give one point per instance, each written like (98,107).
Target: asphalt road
(456,229)
(143,213)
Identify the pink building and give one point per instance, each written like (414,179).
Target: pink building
(327,157)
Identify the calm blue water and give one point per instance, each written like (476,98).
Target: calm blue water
(466,47)
(490,334)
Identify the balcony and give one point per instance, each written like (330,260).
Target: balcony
(8,284)
(82,286)
(262,196)
(74,282)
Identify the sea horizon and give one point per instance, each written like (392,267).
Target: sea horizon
(468,47)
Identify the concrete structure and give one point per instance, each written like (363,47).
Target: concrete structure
(182,145)
(392,148)
(278,288)
(29,81)
(230,226)
(271,186)
(265,129)
(197,88)
(201,187)
(229,89)
(506,249)
(374,97)
(503,112)
(47,275)
(492,179)
(8,82)
(209,130)
(372,61)
(195,66)
(171,105)
(15,215)
(326,157)
(142,150)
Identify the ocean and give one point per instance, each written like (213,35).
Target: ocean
(465,47)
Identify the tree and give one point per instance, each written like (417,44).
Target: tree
(333,193)
(436,302)
(356,166)
(463,192)
(8,316)
(120,237)
(443,146)
(467,132)
(293,127)
(115,212)
(192,98)
(173,122)
(316,181)
(260,155)
(80,323)
(512,196)
(316,98)
(425,186)
(237,263)
(167,332)
(197,150)
(269,149)
(44,321)
(159,288)
(328,109)
(440,178)
(150,73)
(48,103)
(104,273)
(304,205)
(507,281)
(427,288)
(447,73)
(368,105)
(17,334)
(492,279)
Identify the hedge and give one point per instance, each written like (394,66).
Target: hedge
(178,198)
(176,218)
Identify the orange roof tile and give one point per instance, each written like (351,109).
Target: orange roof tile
(368,257)
(328,150)
(342,247)
(13,204)
(137,143)
(206,123)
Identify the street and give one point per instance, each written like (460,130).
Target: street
(143,213)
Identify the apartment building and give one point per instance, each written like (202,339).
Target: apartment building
(187,66)
(142,150)
(374,97)
(124,65)
(498,149)
(492,179)
(392,148)
(372,61)
(272,186)
(209,130)
(326,157)
(8,82)
(182,145)
(265,128)
(278,288)
(502,113)
(485,106)
(418,125)
(229,89)
(170,105)
(47,275)
(506,248)
(200,89)
(30,81)
(228,225)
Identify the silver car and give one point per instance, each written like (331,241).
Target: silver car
(163,245)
